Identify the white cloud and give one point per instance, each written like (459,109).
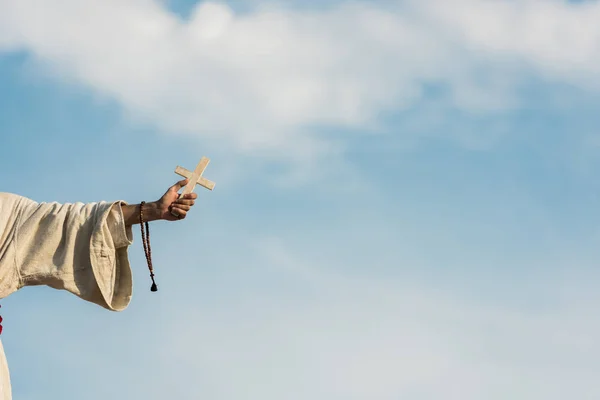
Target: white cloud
(264,79)
(558,39)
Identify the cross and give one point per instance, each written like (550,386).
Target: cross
(195,178)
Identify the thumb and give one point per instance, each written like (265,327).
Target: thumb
(179,185)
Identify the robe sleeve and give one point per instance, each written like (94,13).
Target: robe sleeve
(81,248)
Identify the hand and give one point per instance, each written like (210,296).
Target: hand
(172,204)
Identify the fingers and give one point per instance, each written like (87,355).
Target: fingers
(178,212)
(183,207)
(180,207)
(183,202)
(187,197)
(177,208)
(187,200)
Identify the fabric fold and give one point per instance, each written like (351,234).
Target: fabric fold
(109,258)
(81,248)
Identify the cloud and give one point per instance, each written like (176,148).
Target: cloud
(267,80)
(557,39)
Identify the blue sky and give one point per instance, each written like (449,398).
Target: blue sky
(405,204)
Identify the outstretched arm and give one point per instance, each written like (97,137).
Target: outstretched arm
(162,208)
(81,248)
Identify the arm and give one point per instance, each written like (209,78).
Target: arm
(161,208)
(81,248)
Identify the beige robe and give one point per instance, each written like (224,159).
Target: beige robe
(81,248)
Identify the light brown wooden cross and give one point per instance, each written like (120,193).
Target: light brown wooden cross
(195,178)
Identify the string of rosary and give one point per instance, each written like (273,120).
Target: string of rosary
(146,243)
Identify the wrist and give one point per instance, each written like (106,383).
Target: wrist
(151,211)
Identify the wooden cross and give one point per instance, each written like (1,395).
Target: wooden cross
(195,178)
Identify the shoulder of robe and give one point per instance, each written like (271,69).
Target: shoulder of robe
(11,203)
(14,200)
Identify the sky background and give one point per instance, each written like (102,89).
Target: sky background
(406,200)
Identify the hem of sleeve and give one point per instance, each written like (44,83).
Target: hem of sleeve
(110,263)
(122,235)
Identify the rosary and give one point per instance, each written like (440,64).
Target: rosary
(146,242)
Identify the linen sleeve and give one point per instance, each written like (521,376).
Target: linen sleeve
(81,248)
